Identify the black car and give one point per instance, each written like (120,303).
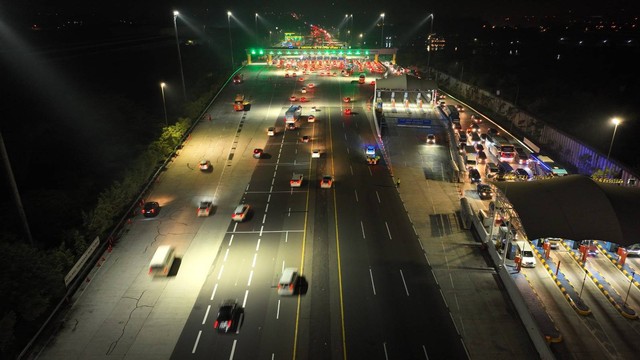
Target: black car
(227,316)
(493,131)
(522,174)
(150,209)
(482,157)
(474,176)
(484,191)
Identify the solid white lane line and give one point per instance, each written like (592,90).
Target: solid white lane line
(356,192)
(378,195)
(386,355)
(424,349)
(213,293)
(253,263)
(225,255)
(415,231)
(373,285)
(258,245)
(206,314)
(195,345)
(388,231)
(231,239)
(250,277)
(220,273)
(405,283)
(233,349)
(261,228)
(278,311)
(244,302)
(264,218)
(362,227)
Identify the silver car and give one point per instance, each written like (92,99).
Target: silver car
(633,250)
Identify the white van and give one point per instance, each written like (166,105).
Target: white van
(288,281)
(526,254)
(271,131)
(162,261)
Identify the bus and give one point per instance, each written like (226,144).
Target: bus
(548,165)
(502,149)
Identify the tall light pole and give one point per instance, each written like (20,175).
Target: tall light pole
(230,42)
(615,122)
(382,32)
(429,49)
(256,21)
(175,29)
(269,38)
(164,103)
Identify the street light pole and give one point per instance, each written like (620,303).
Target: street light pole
(175,29)
(615,122)
(256,22)
(429,43)
(164,104)
(230,42)
(382,32)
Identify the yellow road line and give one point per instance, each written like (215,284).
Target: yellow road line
(304,238)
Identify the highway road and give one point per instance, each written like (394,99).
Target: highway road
(367,290)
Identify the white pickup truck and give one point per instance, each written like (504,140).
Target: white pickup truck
(296,180)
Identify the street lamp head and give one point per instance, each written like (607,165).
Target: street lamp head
(382,15)
(176,13)
(228,13)
(162,85)
(616,121)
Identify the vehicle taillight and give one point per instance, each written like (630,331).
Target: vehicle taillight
(229,324)
(142,211)
(215,324)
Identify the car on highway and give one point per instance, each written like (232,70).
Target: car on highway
(315,154)
(228,313)
(493,131)
(303,99)
(205,208)
(286,75)
(476,118)
(521,156)
(484,137)
(293,98)
(311,118)
(271,131)
(462,137)
(346,99)
(241,212)
(151,209)
(205,165)
(633,250)
(475,127)
(303,90)
(257,153)
(313,109)
(474,176)
(311,85)
(479,147)
(372,83)
(347,111)
(431,139)
(326,182)
(522,174)
(305,139)
(301,79)
(460,108)
(294,75)
(370,150)
(484,191)
(482,157)
(554,243)
(296,180)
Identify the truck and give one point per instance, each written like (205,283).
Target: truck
(292,115)
(240,102)
(296,180)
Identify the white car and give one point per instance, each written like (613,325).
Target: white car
(326,182)
(205,165)
(371,150)
(311,118)
(296,180)
(303,90)
(240,213)
(205,208)
(634,250)
(315,154)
